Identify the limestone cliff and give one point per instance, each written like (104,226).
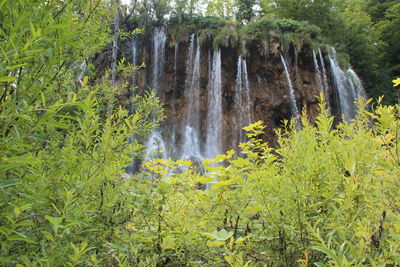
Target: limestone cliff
(269,94)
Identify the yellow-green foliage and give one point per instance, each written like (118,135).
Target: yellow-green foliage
(396,82)
(325,197)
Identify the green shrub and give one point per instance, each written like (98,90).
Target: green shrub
(259,29)
(227,36)
(180,29)
(64,194)
(326,197)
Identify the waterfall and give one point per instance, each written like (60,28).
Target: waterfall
(176,50)
(155,141)
(266,50)
(344,88)
(242,96)
(356,83)
(83,69)
(324,76)
(320,77)
(155,146)
(293,105)
(191,145)
(132,168)
(324,79)
(159,39)
(175,81)
(214,116)
(135,58)
(317,73)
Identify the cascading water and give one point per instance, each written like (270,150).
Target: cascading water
(266,49)
(132,168)
(242,96)
(176,50)
(344,88)
(214,116)
(174,126)
(298,78)
(191,144)
(135,58)
(321,78)
(293,105)
(155,146)
(155,141)
(357,84)
(83,69)
(317,73)
(159,39)
(324,79)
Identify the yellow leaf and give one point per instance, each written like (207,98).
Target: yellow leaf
(220,184)
(396,82)
(215,243)
(231,242)
(203,179)
(85,80)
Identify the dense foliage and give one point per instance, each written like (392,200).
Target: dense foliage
(63,139)
(326,196)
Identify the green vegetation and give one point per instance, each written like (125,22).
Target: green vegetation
(62,140)
(325,197)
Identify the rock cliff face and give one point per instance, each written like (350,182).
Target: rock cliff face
(253,86)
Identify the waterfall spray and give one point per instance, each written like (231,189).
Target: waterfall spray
(357,84)
(214,116)
(155,141)
(159,39)
(324,79)
(344,88)
(135,58)
(191,144)
(242,97)
(293,105)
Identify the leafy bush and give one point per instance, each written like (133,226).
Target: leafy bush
(63,140)
(325,197)
(259,29)
(227,36)
(180,29)
(65,191)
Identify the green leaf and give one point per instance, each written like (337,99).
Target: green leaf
(21,160)
(7,184)
(18,210)
(220,235)
(43,98)
(329,252)
(215,243)
(55,222)
(20,237)
(7,79)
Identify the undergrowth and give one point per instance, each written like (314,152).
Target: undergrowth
(325,197)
